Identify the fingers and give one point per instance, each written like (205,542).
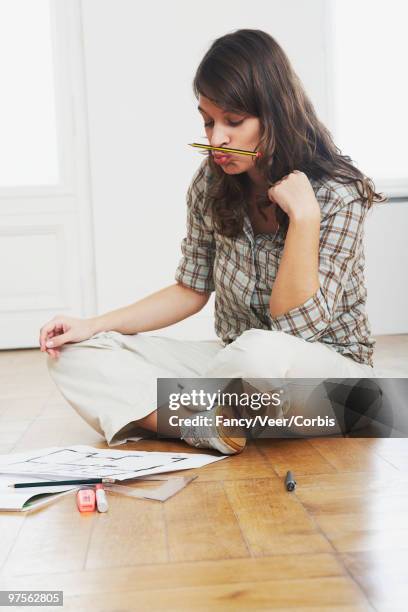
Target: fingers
(49,331)
(45,331)
(57,340)
(53,352)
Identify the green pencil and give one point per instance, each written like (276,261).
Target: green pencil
(57,483)
(227,150)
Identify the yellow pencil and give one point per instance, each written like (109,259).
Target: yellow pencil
(240,151)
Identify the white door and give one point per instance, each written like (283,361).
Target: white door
(46,238)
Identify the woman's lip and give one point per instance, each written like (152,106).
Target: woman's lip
(221,159)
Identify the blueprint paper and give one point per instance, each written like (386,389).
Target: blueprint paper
(59,463)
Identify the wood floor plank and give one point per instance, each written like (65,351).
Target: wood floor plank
(45,432)
(351,455)
(55,409)
(35,387)
(376,540)
(201,524)
(185,575)
(394,451)
(363,522)
(133,532)
(12,431)
(377,499)
(10,525)
(268,595)
(273,521)
(296,455)
(354,481)
(51,540)
(22,409)
(24,374)
(359,518)
(383,578)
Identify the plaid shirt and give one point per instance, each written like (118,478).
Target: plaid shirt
(242,271)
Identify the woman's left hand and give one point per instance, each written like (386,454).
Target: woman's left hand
(295,195)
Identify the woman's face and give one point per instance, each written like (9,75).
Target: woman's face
(232,130)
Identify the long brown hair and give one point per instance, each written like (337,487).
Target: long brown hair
(248,72)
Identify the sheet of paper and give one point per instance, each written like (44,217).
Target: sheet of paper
(120,442)
(19,499)
(80,461)
(170,487)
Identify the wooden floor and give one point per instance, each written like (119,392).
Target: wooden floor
(234,539)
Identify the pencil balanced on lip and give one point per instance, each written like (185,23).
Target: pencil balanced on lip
(226,149)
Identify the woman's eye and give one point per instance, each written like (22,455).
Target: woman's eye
(232,123)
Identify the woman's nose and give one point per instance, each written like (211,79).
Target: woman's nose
(219,138)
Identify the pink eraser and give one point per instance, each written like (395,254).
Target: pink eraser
(86,500)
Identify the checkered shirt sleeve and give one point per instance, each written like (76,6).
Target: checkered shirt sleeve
(341,233)
(195,269)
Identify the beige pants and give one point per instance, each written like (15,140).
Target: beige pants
(110,379)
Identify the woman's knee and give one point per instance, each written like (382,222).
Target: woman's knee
(59,367)
(80,350)
(77,358)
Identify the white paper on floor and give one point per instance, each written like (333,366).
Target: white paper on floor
(170,487)
(77,462)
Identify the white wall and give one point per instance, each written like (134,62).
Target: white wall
(386,249)
(140,60)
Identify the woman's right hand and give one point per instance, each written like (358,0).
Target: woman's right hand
(63,329)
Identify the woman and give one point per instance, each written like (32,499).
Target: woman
(278,238)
